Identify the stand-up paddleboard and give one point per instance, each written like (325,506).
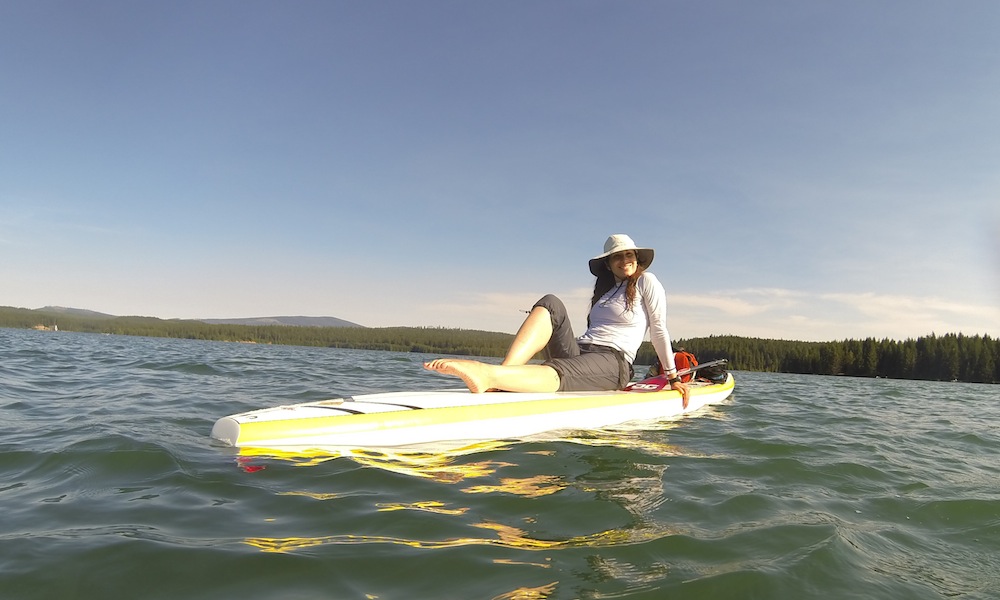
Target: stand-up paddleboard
(412,418)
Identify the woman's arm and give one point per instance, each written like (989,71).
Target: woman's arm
(654,302)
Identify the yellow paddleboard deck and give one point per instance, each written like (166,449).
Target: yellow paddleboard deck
(414,418)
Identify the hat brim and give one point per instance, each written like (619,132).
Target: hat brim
(644,256)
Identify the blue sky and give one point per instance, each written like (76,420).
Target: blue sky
(804,170)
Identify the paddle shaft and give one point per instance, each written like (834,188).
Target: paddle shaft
(710,363)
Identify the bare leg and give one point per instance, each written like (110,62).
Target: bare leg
(480,377)
(531,338)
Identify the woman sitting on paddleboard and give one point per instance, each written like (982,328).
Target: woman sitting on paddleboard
(627,302)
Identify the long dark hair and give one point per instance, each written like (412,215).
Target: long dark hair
(606,281)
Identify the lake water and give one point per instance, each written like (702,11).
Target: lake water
(795,487)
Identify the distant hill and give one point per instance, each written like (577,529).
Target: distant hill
(76,312)
(293,321)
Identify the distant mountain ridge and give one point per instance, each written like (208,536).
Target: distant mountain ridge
(256,321)
(291,321)
(76,312)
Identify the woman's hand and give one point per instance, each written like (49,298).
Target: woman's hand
(682,387)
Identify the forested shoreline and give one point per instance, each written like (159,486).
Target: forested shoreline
(950,357)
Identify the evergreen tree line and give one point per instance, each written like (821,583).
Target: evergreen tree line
(951,357)
(946,358)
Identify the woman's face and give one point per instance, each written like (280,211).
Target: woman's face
(623,264)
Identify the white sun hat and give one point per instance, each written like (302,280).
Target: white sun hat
(620,242)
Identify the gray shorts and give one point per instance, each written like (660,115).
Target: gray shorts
(581,367)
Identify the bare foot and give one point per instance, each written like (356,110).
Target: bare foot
(475,374)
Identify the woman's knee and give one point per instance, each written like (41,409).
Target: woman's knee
(551,303)
(562,331)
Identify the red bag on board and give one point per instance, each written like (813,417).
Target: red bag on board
(684,360)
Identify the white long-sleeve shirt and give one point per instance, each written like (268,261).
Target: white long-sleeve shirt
(612,325)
